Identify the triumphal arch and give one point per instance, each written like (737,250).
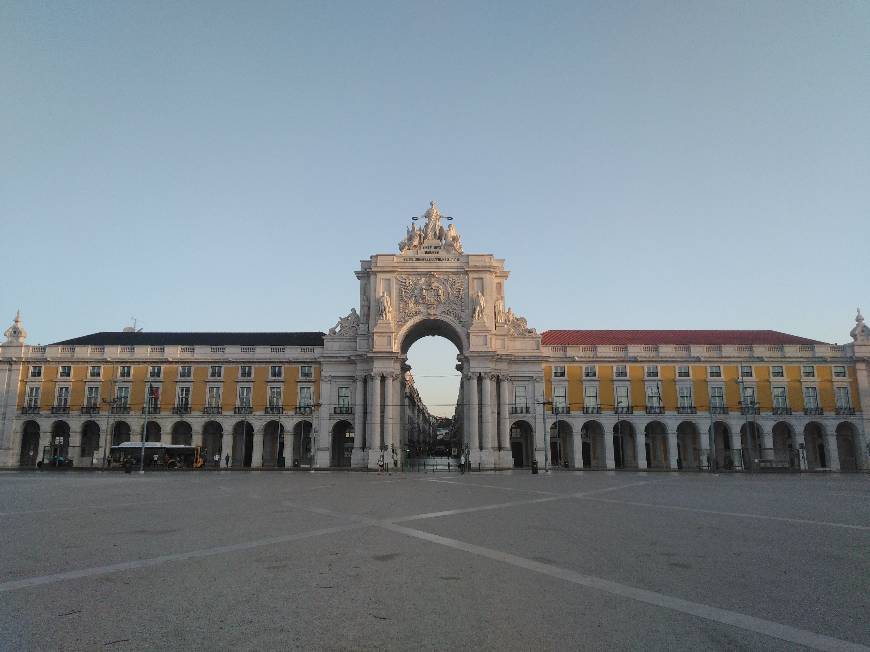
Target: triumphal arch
(431,286)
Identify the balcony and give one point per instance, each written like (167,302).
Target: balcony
(243,409)
(749,409)
(90,409)
(274,409)
(781,410)
(151,409)
(120,409)
(212,409)
(342,409)
(30,410)
(181,409)
(60,409)
(561,409)
(305,410)
(623,409)
(846,411)
(591,409)
(718,409)
(687,409)
(520,409)
(814,411)
(655,409)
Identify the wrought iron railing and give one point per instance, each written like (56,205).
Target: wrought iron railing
(274,409)
(781,410)
(60,409)
(561,409)
(243,409)
(212,409)
(845,411)
(814,411)
(687,409)
(655,409)
(90,409)
(304,409)
(520,409)
(591,409)
(718,409)
(342,409)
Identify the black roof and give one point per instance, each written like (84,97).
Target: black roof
(120,338)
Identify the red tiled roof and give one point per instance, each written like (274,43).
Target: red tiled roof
(671,337)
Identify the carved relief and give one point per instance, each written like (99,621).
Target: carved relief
(347,326)
(431,295)
(385,307)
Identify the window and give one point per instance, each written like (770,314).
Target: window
(182,397)
(244,396)
(780,397)
(839,371)
(185,372)
(95,371)
(715,371)
(153,398)
(92,397)
(122,396)
(559,372)
(155,372)
(33,397)
(245,371)
(36,371)
(808,371)
(65,371)
(62,397)
(215,371)
(811,398)
(717,397)
(560,397)
(746,371)
(275,397)
(590,397)
(620,371)
(276,371)
(214,397)
(620,396)
(844,400)
(305,371)
(748,397)
(124,371)
(685,396)
(652,371)
(653,396)
(305,397)
(520,399)
(344,396)
(590,371)
(776,371)
(683,371)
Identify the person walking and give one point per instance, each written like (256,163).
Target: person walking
(217,460)
(381,464)
(227,460)
(462,462)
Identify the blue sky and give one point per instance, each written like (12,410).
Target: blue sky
(225,166)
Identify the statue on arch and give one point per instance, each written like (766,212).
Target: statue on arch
(479,307)
(453,239)
(500,314)
(385,307)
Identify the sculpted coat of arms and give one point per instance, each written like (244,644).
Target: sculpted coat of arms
(431,295)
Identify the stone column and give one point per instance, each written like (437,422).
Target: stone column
(358,420)
(374,431)
(473,439)
(389,411)
(672,449)
(504,420)
(324,436)
(832,451)
(609,460)
(541,442)
(257,452)
(576,450)
(734,434)
(640,448)
(486,411)
(800,448)
(767,445)
(226,447)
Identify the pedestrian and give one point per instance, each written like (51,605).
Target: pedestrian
(381,464)
(227,460)
(395,460)
(217,460)
(462,463)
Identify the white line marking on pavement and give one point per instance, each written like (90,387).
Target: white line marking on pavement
(138,564)
(723,616)
(479,508)
(784,519)
(493,486)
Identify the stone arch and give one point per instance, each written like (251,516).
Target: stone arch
(182,433)
(30,453)
(847,446)
(656,445)
(342,443)
(120,433)
(815,446)
(153,431)
(522,443)
(784,449)
(724,457)
(561,443)
(689,445)
(273,444)
(624,445)
(212,442)
(302,442)
(592,451)
(442,326)
(60,439)
(243,444)
(750,444)
(90,438)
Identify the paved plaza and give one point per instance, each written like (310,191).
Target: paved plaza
(338,560)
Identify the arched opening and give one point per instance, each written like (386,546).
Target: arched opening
(60,439)
(273,444)
(750,443)
(561,444)
(302,443)
(342,443)
(784,450)
(212,442)
(153,432)
(814,446)
(656,445)
(689,446)
(243,444)
(592,445)
(182,433)
(30,452)
(90,438)
(120,433)
(521,442)
(847,449)
(624,445)
(726,458)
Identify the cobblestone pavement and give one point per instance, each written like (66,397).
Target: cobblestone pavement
(337,560)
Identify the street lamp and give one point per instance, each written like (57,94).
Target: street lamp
(110,406)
